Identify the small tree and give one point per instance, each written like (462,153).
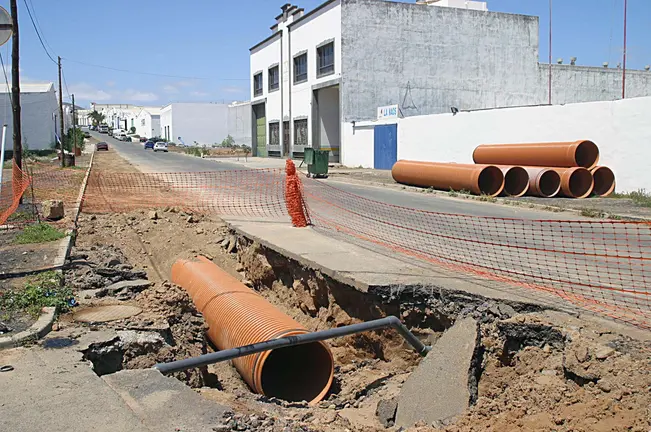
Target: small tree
(228,142)
(96,117)
(133,129)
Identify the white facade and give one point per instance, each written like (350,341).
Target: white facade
(620,129)
(239,122)
(194,123)
(118,116)
(462,4)
(39,115)
(146,121)
(296,34)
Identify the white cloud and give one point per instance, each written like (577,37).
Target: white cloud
(184,83)
(170,89)
(85,91)
(199,93)
(232,89)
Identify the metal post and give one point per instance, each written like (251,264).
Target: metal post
(624,62)
(74,126)
(229,354)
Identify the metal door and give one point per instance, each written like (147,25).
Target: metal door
(261,135)
(385,146)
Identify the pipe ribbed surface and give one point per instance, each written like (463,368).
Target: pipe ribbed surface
(543,182)
(582,153)
(575,182)
(516,181)
(238,316)
(604,181)
(478,179)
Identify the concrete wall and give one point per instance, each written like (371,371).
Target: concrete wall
(203,123)
(571,84)
(239,123)
(433,58)
(328,120)
(620,128)
(37,122)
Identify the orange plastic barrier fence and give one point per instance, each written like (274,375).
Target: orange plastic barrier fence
(602,266)
(14,184)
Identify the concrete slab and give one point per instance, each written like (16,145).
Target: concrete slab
(444,384)
(163,403)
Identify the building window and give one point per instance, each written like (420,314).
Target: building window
(257,84)
(273,78)
(142,122)
(326,59)
(300,68)
(274,133)
(300,132)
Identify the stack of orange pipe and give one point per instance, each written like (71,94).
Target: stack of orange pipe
(539,169)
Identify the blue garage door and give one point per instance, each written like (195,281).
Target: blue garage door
(385,146)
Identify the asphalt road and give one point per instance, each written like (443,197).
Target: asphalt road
(148,161)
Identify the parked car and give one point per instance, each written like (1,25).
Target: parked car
(149,144)
(86,134)
(160,146)
(143,139)
(103,128)
(101,146)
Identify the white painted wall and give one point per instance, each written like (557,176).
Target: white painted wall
(621,129)
(148,124)
(358,148)
(37,121)
(305,35)
(205,123)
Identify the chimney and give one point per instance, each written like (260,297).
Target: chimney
(573,61)
(559,61)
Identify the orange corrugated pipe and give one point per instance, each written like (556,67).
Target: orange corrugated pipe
(581,153)
(478,179)
(575,182)
(516,181)
(238,316)
(604,181)
(543,182)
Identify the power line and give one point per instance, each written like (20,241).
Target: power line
(38,23)
(152,73)
(31,18)
(4,71)
(65,83)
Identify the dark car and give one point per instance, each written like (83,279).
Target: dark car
(143,139)
(86,134)
(149,145)
(101,146)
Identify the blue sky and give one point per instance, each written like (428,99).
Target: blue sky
(210,39)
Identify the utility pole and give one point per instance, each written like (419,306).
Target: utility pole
(549,101)
(63,155)
(15,89)
(624,69)
(74,125)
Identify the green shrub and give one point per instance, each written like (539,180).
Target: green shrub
(40,291)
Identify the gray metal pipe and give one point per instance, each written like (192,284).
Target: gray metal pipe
(229,354)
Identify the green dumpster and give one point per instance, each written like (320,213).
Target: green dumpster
(317,162)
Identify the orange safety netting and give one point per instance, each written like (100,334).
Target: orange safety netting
(602,266)
(13,187)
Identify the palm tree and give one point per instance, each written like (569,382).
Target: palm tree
(96,117)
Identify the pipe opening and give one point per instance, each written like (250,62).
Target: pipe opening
(580,183)
(586,154)
(604,181)
(491,181)
(549,184)
(516,182)
(298,373)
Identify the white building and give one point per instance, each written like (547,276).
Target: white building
(39,115)
(194,123)
(146,121)
(82,117)
(239,122)
(295,83)
(117,116)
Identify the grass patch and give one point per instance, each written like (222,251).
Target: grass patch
(39,233)
(640,197)
(41,291)
(20,216)
(487,198)
(592,213)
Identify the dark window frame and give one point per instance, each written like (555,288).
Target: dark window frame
(299,123)
(271,69)
(274,125)
(257,91)
(302,57)
(323,67)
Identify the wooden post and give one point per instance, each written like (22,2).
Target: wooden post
(15,95)
(63,155)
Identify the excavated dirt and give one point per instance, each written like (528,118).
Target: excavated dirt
(540,370)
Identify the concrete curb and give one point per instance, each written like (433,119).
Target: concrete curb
(39,329)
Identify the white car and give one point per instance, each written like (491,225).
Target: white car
(160,145)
